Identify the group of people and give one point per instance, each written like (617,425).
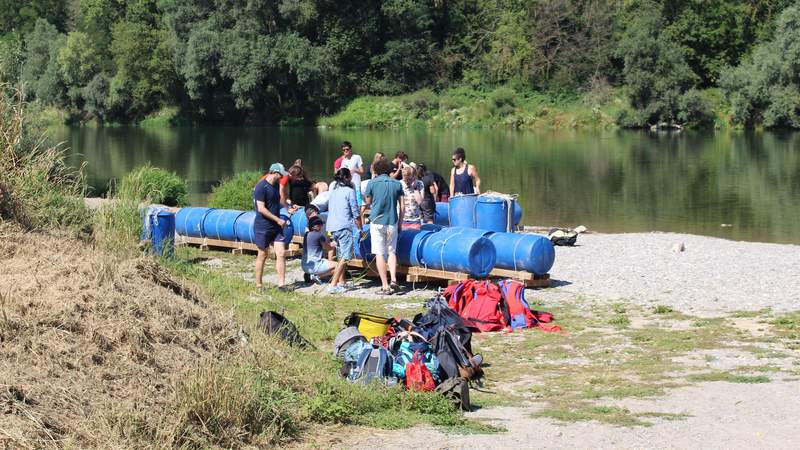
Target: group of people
(399,195)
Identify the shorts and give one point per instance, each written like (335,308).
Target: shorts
(428,209)
(265,237)
(411,225)
(383,239)
(359,197)
(317,267)
(344,244)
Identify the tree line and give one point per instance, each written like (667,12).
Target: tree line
(262,61)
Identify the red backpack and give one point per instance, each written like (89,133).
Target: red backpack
(516,311)
(483,309)
(418,377)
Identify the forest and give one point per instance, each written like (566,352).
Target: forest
(681,62)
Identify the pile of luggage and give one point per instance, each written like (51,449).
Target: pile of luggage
(431,352)
(496,307)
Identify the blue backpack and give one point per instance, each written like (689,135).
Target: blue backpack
(405,354)
(373,364)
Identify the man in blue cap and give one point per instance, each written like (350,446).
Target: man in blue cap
(268,226)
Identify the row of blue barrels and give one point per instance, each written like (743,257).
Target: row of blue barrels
(484,212)
(469,250)
(222,224)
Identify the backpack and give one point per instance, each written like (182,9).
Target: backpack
(373,364)
(484,308)
(454,359)
(405,354)
(345,339)
(563,237)
(457,391)
(438,317)
(418,376)
(516,312)
(370,326)
(275,324)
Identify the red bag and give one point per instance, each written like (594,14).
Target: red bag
(484,307)
(418,377)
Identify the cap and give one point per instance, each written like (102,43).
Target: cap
(278,168)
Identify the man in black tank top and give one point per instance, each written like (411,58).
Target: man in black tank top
(464,177)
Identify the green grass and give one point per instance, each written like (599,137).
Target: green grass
(729,377)
(235,192)
(610,415)
(502,107)
(153,185)
(168,116)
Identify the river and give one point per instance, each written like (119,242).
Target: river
(735,185)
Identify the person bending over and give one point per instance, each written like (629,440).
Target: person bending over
(315,245)
(384,195)
(268,226)
(464,177)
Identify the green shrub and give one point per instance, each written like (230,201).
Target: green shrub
(116,226)
(154,185)
(236,192)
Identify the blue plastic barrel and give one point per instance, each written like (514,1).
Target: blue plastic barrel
(517,213)
(442,214)
(219,224)
(243,227)
(461,211)
(492,213)
(409,246)
(162,226)
(521,251)
(299,220)
(459,252)
(246,233)
(189,221)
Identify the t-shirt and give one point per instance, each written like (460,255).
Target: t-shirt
(321,201)
(411,211)
(427,182)
(384,192)
(440,181)
(298,192)
(342,209)
(313,243)
(354,162)
(271,196)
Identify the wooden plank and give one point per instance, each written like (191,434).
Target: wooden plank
(237,247)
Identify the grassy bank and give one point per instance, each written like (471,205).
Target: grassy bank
(503,107)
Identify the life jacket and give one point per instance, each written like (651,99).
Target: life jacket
(483,307)
(458,295)
(515,308)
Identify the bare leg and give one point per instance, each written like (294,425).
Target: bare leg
(260,258)
(382,270)
(393,267)
(338,273)
(280,262)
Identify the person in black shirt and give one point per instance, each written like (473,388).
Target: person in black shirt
(430,193)
(298,186)
(268,226)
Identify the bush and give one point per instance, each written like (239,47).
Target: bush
(236,192)
(117,225)
(153,185)
(37,188)
(503,101)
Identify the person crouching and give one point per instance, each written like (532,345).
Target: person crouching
(315,245)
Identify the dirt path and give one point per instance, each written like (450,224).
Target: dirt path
(720,415)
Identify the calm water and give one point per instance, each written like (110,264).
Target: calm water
(613,182)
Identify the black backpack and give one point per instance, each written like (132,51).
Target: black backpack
(455,360)
(275,324)
(439,317)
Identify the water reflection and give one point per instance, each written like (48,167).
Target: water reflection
(614,181)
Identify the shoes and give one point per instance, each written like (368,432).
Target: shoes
(383,291)
(307,278)
(395,287)
(336,290)
(349,285)
(316,279)
(284,289)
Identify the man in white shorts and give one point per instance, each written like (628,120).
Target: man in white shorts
(385,197)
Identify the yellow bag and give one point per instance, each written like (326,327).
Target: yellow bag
(368,325)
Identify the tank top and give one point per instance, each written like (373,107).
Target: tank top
(463,181)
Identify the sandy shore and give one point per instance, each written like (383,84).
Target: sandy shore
(710,276)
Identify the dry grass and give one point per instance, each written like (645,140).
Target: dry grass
(85,336)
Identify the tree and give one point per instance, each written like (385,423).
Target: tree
(11,58)
(765,87)
(41,72)
(655,71)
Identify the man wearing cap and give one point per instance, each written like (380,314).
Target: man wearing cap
(268,225)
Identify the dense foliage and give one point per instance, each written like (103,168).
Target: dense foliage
(236,192)
(154,185)
(294,60)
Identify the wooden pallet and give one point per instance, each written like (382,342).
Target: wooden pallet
(418,274)
(235,246)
